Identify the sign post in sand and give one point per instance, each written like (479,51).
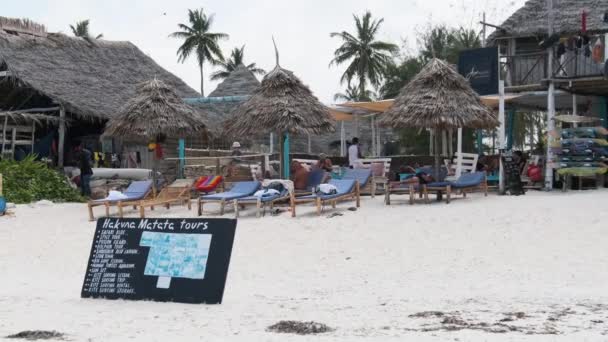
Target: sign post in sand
(178,260)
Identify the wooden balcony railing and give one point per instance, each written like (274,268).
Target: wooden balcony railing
(530,69)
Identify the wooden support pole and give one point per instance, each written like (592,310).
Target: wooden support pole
(61,145)
(4,133)
(33,136)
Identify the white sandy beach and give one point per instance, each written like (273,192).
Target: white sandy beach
(363,274)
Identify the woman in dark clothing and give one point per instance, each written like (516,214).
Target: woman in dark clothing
(84,163)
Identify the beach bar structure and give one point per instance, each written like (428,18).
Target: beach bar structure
(82,82)
(553,58)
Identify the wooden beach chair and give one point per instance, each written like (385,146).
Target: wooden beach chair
(398,188)
(363,177)
(467,163)
(348,189)
(238,190)
(261,202)
(136,192)
(466,182)
(177,192)
(378,179)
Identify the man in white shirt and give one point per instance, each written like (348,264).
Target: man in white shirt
(353,152)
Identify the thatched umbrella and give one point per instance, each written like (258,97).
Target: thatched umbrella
(439,98)
(281,104)
(156,111)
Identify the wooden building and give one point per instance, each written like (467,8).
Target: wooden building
(82,81)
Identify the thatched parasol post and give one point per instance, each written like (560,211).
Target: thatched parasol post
(281,104)
(437,157)
(438,98)
(286,166)
(155,111)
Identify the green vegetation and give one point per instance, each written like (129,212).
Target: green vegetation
(237,57)
(199,40)
(29,180)
(367,57)
(82,30)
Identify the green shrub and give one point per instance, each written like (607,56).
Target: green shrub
(29,180)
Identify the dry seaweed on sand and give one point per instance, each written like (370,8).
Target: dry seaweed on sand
(300,328)
(32,335)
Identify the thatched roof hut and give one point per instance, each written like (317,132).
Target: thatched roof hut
(229,94)
(155,110)
(91,79)
(531,20)
(438,97)
(282,103)
(240,82)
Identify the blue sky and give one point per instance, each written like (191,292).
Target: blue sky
(301,28)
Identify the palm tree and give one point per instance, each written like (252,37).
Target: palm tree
(353,94)
(236,58)
(398,75)
(199,40)
(447,43)
(367,57)
(82,30)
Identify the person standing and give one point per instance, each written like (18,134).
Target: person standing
(84,163)
(354,153)
(236,149)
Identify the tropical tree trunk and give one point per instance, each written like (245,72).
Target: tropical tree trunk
(202,80)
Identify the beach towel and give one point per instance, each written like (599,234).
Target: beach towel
(326,189)
(207,183)
(287,184)
(116,196)
(266,193)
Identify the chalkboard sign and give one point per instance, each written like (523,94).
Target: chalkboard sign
(178,260)
(513,183)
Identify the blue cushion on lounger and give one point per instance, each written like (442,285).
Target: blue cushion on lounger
(315,177)
(360,175)
(239,190)
(467,180)
(138,189)
(438,184)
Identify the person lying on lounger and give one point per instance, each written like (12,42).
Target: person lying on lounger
(414,178)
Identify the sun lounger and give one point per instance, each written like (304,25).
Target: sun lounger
(466,182)
(136,192)
(347,189)
(397,188)
(260,202)
(238,190)
(177,192)
(363,176)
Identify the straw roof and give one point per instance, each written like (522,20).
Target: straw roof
(91,79)
(155,110)
(282,103)
(532,19)
(241,81)
(438,97)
